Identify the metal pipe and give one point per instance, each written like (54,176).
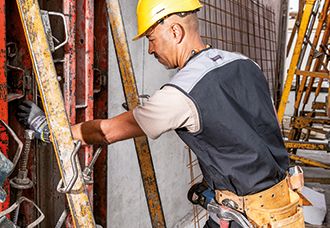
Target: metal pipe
(297,50)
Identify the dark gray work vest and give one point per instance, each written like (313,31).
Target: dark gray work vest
(239,145)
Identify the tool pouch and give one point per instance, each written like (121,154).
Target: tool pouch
(289,215)
(296,178)
(294,221)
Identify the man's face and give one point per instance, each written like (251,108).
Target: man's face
(162,45)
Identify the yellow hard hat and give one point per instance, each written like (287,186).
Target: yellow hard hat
(148,12)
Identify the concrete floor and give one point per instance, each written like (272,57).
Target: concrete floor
(314,176)
(326,188)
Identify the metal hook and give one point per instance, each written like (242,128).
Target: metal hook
(66,189)
(3,218)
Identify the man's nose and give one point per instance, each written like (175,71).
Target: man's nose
(151,49)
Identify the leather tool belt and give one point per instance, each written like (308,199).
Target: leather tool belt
(277,206)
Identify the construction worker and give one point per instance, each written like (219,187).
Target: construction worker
(218,103)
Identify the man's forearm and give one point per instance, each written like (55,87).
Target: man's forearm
(107,131)
(88,132)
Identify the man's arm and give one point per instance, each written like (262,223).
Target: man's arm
(107,131)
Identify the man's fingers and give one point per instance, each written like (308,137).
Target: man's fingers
(24,108)
(23,120)
(28,103)
(22,114)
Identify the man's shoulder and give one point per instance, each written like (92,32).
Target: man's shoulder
(208,60)
(202,64)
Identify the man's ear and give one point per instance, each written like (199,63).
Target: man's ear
(177,32)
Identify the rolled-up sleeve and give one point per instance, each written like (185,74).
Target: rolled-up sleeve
(166,110)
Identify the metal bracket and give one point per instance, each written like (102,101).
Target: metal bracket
(7,166)
(46,22)
(16,96)
(89,169)
(101,78)
(73,158)
(5,222)
(141,97)
(11,48)
(62,219)
(19,145)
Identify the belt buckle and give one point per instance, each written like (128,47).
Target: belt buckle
(230,203)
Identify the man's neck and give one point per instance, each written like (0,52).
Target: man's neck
(189,51)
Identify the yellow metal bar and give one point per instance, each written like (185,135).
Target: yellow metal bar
(322,19)
(295,58)
(309,161)
(131,95)
(292,144)
(328,104)
(52,99)
(313,74)
(296,26)
(318,63)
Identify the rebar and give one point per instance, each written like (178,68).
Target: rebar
(243,26)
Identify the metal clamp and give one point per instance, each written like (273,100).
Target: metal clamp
(50,37)
(87,173)
(65,189)
(140,97)
(4,222)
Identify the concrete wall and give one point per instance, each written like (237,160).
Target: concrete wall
(126,199)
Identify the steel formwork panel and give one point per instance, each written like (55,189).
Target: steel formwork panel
(76,63)
(85,72)
(69,65)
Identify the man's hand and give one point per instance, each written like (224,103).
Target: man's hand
(34,118)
